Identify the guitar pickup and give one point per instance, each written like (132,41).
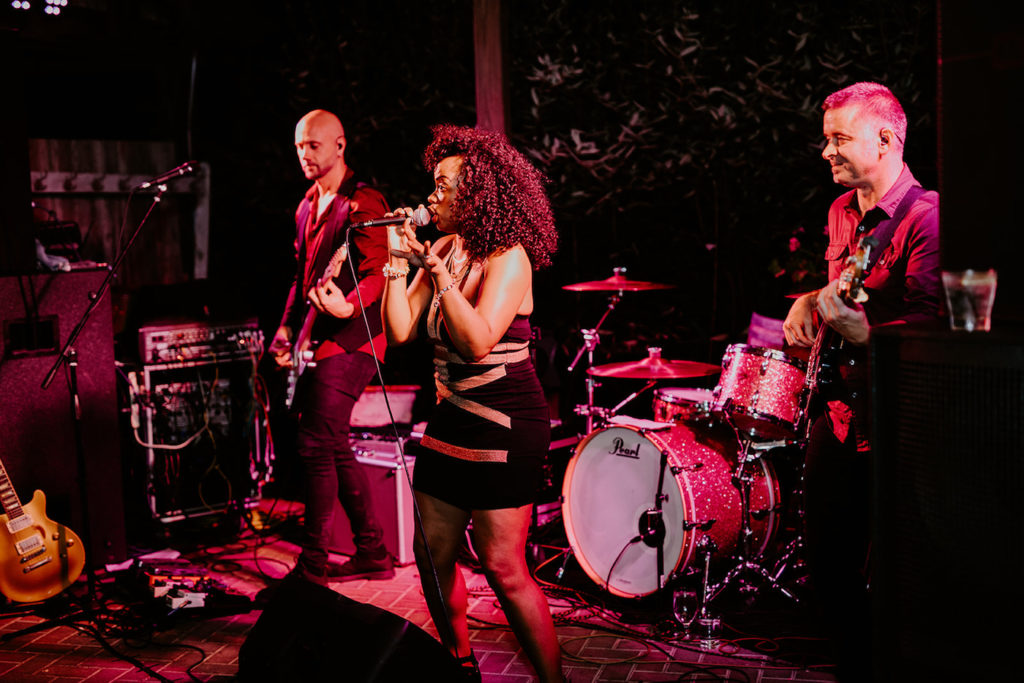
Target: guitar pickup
(16,525)
(28,545)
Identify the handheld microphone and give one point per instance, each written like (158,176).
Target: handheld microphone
(420,217)
(184,169)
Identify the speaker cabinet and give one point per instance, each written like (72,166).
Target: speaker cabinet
(310,633)
(949,478)
(37,438)
(392,500)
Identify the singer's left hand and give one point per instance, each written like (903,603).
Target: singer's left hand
(328,298)
(416,253)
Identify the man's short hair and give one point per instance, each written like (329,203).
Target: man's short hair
(875,99)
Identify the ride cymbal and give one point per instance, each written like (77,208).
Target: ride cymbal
(616,283)
(655,367)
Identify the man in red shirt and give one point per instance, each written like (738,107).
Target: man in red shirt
(865,129)
(344,355)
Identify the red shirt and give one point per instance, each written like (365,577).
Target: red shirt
(903,286)
(317,239)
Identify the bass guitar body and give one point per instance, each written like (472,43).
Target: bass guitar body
(822,362)
(38,557)
(301,351)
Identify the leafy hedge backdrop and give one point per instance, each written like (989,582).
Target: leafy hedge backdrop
(682,140)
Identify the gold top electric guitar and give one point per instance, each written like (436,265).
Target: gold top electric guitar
(38,557)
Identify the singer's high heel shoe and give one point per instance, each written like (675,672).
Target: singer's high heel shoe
(470,668)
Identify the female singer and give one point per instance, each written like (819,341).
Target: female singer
(483,447)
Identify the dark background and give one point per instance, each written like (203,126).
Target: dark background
(681,142)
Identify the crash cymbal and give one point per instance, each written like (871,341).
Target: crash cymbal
(655,367)
(616,283)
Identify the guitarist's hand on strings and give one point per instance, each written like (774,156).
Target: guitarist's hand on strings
(328,298)
(799,324)
(281,346)
(848,319)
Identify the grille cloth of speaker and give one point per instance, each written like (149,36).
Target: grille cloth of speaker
(37,426)
(949,441)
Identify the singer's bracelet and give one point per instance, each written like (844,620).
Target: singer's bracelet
(440,293)
(393,273)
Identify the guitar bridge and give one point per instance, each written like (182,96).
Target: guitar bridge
(32,567)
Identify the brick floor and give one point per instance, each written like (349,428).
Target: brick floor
(603,640)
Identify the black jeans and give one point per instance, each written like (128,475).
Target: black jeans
(838,506)
(329,391)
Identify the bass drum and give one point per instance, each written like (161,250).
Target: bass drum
(610,489)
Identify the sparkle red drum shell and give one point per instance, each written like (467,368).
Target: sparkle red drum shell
(611,483)
(761,391)
(672,404)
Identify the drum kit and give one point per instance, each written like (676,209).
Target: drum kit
(650,505)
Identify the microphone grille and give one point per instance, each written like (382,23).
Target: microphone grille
(420,217)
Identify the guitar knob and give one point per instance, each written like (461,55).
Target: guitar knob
(311,364)
(307,355)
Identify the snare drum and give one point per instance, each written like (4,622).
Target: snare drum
(672,404)
(761,391)
(610,494)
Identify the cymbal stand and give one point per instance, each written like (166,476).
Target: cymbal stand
(590,341)
(745,561)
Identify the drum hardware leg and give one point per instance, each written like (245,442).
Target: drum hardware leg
(745,563)
(590,341)
(793,554)
(656,530)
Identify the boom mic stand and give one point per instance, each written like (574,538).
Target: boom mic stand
(69,356)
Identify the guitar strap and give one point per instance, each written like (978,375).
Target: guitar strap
(885,229)
(62,553)
(312,238)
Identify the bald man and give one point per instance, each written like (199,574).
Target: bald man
(326,392)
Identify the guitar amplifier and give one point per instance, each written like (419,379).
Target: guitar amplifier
(392,499)
(200,341)
(205,438)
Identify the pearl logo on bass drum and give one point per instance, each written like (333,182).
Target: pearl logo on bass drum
(620,449)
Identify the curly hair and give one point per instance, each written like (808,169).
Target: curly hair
(500,201)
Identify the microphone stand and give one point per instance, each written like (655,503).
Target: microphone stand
(69,356)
